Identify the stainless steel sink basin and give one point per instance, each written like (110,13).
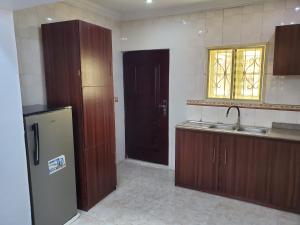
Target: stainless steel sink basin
(226,127)
(255,130)
(222,127)
(198,124)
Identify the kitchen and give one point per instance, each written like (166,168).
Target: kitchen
(187,31)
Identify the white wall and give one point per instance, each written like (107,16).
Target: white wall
(29,46)
(188,36)
(14,192)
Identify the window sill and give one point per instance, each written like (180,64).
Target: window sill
(247,105)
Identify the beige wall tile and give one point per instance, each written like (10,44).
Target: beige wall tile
(233,11)
(292,4)
(232,27)
(213,29)
(274,5)
(251,28)
(250,9)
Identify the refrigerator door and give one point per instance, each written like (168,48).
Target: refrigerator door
(50,152)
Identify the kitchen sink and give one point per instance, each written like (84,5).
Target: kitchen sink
(226,127)
(199,124)
(222,127)
(255,130)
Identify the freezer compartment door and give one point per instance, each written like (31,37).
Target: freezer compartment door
(50,153)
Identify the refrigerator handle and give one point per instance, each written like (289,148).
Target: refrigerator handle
(36,153)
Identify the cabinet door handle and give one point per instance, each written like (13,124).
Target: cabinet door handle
(214,154)
(225,156)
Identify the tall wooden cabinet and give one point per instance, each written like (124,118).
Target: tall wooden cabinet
(78,68)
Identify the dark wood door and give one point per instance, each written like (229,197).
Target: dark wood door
(286,53)
(207,158)
(146,86)
(187,145)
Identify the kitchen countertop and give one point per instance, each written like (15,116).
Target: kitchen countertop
(273,133)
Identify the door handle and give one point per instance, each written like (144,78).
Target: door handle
(36,153)
(164,107)
(214,154)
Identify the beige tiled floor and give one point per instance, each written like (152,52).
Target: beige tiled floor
(147,196)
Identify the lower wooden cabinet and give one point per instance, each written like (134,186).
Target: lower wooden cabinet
(207,161)
(259,170)
(186,165)
(283,174)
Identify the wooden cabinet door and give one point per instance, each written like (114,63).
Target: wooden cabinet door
(259,170)
(207,158)
(186,158)
(283,174)
(296,195)
(226,169)
(96,55)
(245,166)
(243,160)
(287,48)
(99,139)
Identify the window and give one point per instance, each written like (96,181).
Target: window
(236,73)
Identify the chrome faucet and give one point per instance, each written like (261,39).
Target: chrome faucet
(238,123)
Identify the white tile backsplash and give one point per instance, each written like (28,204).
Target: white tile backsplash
(249,117)
(210,114)
(286,117)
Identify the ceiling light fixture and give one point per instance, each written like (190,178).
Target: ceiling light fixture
(292,23)
(149,1)
(297,9)
(49,19)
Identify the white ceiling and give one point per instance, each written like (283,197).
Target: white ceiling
(21,4)
(136,9)
(127,6)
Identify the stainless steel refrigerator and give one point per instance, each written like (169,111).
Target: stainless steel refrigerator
(50,157)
